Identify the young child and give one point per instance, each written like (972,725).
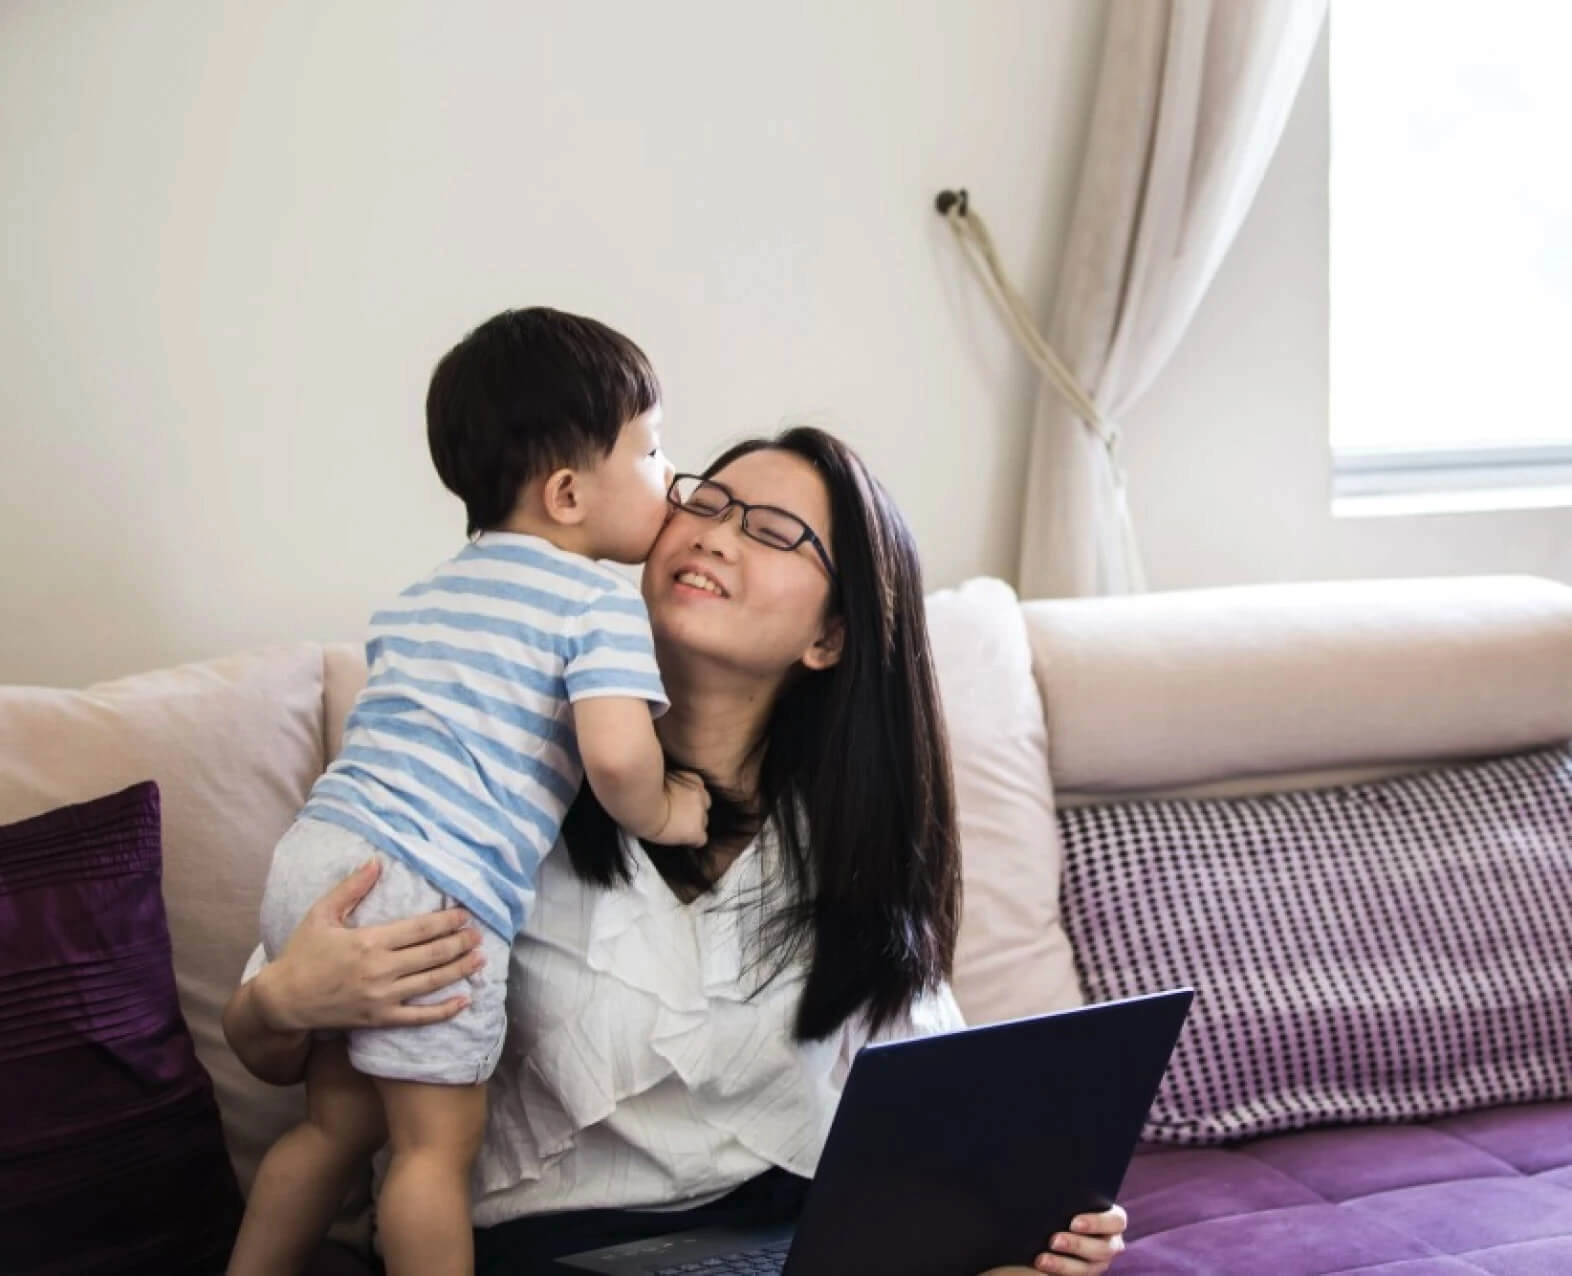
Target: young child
(515,671)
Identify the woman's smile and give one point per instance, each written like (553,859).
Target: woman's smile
(692,580)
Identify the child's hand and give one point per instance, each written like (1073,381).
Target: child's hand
(688,813)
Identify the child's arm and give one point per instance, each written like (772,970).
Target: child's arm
(626,768)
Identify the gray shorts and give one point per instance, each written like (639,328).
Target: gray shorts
(311,858)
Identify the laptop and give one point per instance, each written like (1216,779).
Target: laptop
(953,1154)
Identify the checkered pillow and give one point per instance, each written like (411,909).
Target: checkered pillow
(1378,952)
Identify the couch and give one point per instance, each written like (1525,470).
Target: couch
(1048,702)
(1253,691)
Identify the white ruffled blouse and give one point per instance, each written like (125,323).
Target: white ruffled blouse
(639,1073)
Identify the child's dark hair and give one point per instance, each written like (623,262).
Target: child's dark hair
(528,392)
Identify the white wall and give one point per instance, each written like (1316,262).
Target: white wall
(239,234)
(1228,453)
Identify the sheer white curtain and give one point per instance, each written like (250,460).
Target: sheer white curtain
(1191,101)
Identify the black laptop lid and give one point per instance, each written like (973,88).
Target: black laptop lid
(953,1154)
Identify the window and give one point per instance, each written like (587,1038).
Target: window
(1451,254)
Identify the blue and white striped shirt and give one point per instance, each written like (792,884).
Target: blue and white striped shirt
(459,757)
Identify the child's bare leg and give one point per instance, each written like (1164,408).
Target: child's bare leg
(305,1176)
(434,1132)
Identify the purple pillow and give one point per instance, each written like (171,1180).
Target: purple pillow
(111,1153)
(1400,950)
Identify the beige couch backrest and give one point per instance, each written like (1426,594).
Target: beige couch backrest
(1266,687)
(343,675)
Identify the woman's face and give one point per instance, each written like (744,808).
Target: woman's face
(717,594)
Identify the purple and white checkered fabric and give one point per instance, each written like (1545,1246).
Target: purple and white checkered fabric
(1376,952)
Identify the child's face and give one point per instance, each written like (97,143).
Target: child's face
(629,507)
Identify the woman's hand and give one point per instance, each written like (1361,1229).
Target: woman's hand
(334,975)
(1087,1249)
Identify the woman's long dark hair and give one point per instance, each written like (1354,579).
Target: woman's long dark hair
(854,776)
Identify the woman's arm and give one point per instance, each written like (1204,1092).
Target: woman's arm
(279,1058)
(332,975)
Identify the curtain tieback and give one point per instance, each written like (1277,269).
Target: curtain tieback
(977,246)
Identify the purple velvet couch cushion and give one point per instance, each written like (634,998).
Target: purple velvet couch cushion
(111,1154)
(1487,1192)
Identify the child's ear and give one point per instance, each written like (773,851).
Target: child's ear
(827,647)
(563,497)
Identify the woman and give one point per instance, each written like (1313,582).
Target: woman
(681,1023)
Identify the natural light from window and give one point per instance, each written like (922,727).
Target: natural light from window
(1451,228)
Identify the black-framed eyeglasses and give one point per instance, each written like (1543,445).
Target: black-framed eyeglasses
(767,524)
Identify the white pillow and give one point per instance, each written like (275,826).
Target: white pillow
(1013,958)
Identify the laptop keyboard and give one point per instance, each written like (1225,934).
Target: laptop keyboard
(767,1260)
